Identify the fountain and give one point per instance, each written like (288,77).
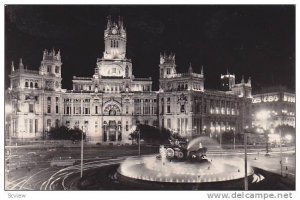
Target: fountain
(183,164)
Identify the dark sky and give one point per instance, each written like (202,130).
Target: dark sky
(257,41)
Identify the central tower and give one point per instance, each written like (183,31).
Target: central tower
(114,39)
(114,62)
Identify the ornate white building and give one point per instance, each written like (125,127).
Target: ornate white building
(110,102)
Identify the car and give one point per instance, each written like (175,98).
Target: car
(62,162)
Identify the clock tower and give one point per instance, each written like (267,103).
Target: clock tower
(114,62)
(115,40)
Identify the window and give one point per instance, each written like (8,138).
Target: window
(30,125)
(56,98)
(48,124)
(49,68)
(49,109)
(31,108)
(31,85)
(36,123)
(168,109)
(168,71)
(56,109)
(126,109)
(169,123)
(96,109)
(56,123)
(182,109)
(26,84)
(36,85)
(56,69)
(126,72)
(49,99)
(26,124)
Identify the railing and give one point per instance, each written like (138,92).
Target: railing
(185,75)
(81,78)
(25,71)
(142,79)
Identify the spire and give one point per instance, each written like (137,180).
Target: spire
(242,81)
(202,69)
(108,21)
(190,68)
(21,66)
(58,55)
(12,66)
(249,80)
(44,54)
(120,22)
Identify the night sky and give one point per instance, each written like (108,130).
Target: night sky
(257,41)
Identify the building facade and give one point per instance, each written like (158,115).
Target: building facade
(277,104)
(109,103)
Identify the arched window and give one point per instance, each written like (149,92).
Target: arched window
(48,124)
(31,85)
(112,112)
(56,122)
(126,71)
(26,84)
(111,43)
(36,85)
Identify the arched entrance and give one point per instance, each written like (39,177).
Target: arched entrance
(112,126)
(112,131)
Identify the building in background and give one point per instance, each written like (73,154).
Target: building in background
(274,106)
(107,105)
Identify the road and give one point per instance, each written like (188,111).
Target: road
(42,176)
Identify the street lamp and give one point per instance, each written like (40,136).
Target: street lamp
(81,157)
(139,134)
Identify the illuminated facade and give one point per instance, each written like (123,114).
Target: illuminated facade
(185,107)
(279,103)
(107,105)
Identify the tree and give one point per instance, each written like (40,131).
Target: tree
(227,137)
(64,133)
(151,134)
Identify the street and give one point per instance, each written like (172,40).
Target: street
(29,168)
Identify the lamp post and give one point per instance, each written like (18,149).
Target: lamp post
(280,151)
(139,133)
(233,139)
(81,154)
(245,145)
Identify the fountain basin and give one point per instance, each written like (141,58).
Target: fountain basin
(216,169)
